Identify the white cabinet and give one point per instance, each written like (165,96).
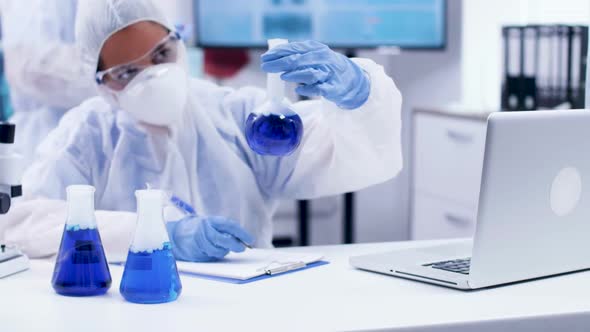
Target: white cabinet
(447,158)
(436,218)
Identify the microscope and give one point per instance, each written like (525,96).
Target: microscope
(12,260)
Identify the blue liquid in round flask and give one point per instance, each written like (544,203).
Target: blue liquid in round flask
(81,267)
(150,274)
(274,128)
(276,131)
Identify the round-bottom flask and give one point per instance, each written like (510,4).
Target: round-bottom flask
(274,129)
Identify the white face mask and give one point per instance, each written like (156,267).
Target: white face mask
(157,95)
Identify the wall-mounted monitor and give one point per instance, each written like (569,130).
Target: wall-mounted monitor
(408,24)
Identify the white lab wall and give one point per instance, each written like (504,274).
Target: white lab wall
(482,40)
(178,11)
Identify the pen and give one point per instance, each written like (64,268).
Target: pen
(182,205)
(285,268)
(244,243)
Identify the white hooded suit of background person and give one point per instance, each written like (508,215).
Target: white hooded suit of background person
(43,67)
(204,159)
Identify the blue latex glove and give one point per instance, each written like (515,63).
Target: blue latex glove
(320,71)
(197,239)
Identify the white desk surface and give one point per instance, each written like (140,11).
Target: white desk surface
(334,297)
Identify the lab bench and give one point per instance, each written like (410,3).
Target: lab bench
(333,297)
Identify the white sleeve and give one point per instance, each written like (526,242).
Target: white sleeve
(36,226)
(347,150)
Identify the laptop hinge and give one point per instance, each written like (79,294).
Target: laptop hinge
(426,278)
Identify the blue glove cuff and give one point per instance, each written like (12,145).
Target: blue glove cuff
(359,93)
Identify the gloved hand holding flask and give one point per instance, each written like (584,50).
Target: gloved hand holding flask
(320,71)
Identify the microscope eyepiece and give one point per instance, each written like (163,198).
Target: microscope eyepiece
(7,133)
(4,203)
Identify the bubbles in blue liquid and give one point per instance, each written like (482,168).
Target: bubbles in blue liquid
(81,268)
(151,277)
(272,134)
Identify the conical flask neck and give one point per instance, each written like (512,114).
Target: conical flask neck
(150,232)
(81,207)
(150,210)
(275,86)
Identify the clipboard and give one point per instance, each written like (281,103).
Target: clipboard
(262,277)
(252,265)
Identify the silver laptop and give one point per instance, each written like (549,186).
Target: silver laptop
(534,208)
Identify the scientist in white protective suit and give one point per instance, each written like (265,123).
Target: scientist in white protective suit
(154,125)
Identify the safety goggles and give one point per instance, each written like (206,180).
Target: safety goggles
(116,78)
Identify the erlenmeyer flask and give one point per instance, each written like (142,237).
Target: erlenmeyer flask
(274,128)
(150,274)
(81,268)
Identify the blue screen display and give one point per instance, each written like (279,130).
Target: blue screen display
(338,23)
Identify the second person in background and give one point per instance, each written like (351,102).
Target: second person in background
(43,67)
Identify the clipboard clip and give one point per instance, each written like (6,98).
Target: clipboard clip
(275,267)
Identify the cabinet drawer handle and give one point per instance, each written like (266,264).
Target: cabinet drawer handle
(457,220)
(459,137)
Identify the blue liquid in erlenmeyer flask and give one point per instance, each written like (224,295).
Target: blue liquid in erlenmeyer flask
(272,134)
(151,277)
(81,268)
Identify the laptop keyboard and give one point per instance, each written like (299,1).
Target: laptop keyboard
(457,265)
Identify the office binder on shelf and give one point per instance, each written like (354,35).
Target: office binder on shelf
(578,41)
(563,70)
(511,90)
(585,36)
(545,67)
(528,83)
(552,99)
